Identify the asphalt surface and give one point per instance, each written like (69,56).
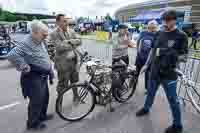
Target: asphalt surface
(13,109)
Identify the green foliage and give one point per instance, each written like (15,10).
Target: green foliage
(34,17)
(10,17)
(2,17)
(0,11)
(108,17)
(80,19)
(21,17)
(7,16)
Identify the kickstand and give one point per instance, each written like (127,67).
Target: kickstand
(110,109)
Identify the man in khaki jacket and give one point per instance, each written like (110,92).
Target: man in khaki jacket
(67,56)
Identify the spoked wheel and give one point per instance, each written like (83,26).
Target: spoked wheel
(127,90)
(194,96)
(72,106)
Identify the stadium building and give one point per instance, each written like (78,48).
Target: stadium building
(154,8)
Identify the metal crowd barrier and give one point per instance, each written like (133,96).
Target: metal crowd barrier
(99,50)
(191,68)
(104,51)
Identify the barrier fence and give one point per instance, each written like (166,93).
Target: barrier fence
(191,68)
(104,51)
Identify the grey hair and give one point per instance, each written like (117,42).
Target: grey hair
(38,26)
(153,22)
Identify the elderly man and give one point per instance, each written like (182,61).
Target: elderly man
(67,55)
(144,44)
(31,58)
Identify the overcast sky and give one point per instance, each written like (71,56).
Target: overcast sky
(72,7)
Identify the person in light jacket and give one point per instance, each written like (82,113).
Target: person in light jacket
(67,56)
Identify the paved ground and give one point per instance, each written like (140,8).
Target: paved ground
(13,111)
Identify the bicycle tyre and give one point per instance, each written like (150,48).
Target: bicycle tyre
(191,98)
(60,97)
(120,99)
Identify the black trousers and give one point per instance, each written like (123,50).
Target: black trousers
(194,43)
(119,83)
(124,58)
(38,93)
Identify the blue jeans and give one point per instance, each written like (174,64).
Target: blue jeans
(170,91)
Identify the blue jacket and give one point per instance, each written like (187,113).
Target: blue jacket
(195,34)
(144,45)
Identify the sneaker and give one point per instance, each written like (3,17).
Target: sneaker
(142,112)
(174,129)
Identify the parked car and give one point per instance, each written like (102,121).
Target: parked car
(5,47)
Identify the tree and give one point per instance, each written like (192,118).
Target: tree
(1,10)
(10,17)
(2,17)
(22,17)
(34,17)
(80,19)
(108,17)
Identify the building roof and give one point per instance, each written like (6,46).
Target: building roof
(147,3)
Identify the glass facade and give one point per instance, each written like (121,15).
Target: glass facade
(130,12)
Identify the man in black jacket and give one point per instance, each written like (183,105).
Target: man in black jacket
(169,48)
